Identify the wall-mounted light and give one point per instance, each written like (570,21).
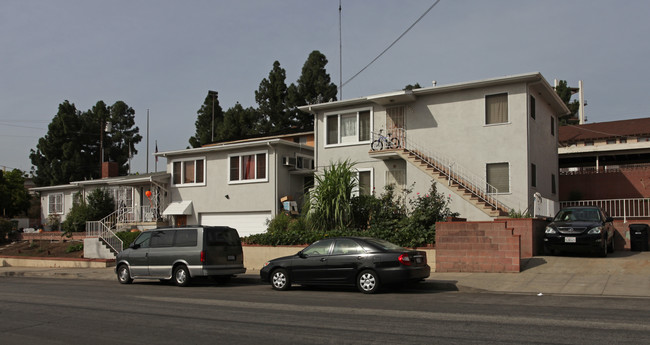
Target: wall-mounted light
(227,196)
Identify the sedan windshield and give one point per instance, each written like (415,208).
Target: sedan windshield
(583,214)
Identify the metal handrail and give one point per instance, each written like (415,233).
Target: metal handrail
(453,171)
(101,231)
(617,208)
(104,228)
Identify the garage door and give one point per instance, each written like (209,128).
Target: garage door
(246,223)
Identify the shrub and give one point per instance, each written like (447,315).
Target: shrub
(75,248)
(5,229)
(127,237)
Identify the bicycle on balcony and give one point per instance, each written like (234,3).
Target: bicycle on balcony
(384,142)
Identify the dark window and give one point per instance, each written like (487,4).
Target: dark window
(552,126)
(498,176)
(215,236)
(532,106)
(162,238)
(553,184)
(185,238)
(234,168)
(143,240)
(533,175)
(177,173)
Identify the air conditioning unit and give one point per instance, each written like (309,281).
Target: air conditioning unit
(289,161)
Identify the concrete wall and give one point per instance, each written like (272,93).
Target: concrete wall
(19,261)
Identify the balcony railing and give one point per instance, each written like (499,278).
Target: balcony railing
(617,208)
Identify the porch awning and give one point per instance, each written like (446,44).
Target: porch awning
(178,208)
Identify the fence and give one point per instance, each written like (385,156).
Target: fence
(617,208)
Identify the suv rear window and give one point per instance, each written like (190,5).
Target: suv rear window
(218,236)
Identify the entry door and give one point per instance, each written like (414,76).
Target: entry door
(180,220)
(396,123)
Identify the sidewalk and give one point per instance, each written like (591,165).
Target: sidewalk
(624,274)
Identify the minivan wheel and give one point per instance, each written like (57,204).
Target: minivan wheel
(280,280)
(123,275)
(368,282)
(181,276)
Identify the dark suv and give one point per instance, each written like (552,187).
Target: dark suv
(580,228)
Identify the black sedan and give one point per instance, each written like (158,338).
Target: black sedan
(365,262)
(580,228)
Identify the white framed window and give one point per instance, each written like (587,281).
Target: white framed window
(348,128)
(498,176)
(364,182)
(496,109)
(248,167)
(55,203)
(188,172)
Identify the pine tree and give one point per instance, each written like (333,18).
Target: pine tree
(271,98)
(204,131)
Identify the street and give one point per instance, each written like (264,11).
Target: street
(66,311)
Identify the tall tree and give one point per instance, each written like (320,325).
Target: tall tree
(314,86)
(204,130)
(71,149)
(61,156)
(239,122)
(14,198)
(565,92)
(271,98)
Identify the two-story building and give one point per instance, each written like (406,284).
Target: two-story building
(491,145)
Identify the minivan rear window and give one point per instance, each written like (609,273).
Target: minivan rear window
(217,236)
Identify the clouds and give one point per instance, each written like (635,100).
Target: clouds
(165,55)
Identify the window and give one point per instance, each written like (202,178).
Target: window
(348,128)
(188,172)
(162,238)
(553,189)
(552,126)
(319,248)
(55,203)
(364,183)
(185,238)
(250,167)
(532,106)
(304,162)
(496,109)
(498,176)
(611,141)
(143,240)
(623,140)
(347,247)
(589,143)
(533,175)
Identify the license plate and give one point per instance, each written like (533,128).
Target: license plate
(570,240)
(231,258)
(418,260)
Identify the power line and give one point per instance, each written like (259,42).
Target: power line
(392,44)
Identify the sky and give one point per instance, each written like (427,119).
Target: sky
(163,56)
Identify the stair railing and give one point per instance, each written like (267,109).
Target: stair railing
(454,172)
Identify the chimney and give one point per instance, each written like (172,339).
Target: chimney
(109,169)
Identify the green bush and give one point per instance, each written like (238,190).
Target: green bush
(75,248)
(386,217)
(127,237)
(5,229)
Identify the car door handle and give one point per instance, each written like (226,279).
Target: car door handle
(359,257)
(323,259)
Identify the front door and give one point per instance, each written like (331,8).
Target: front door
(180,220)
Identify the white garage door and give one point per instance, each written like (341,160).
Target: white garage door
(246,223)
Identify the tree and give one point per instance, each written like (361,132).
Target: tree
(14,198)
(565,92)
(271,98)
(238,123)
(63,155)
(411,87)
(99,205)
(314,86)
(71,149)
(204,130)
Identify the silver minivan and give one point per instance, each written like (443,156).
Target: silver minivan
(182,253)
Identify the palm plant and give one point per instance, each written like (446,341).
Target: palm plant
(329,204)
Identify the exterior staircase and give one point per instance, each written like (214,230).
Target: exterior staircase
(122,219)
(461,181)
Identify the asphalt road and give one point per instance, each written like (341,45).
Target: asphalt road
(61,311)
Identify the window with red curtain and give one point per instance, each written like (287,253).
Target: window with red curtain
(248,167)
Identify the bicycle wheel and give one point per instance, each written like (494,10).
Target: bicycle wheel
(376,145)
(395,143)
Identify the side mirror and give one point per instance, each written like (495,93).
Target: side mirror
(134,246)
(609,220)
(301,254)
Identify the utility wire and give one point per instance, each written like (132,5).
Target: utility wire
(392,44)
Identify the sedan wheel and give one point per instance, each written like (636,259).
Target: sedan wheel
(368,282)
(280,280)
